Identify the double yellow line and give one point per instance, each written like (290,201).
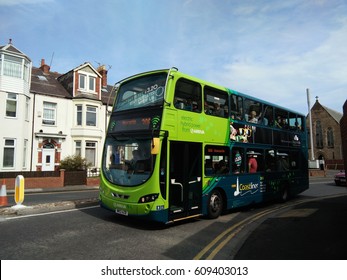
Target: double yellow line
(217,244)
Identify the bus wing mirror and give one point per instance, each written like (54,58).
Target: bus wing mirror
(155,146)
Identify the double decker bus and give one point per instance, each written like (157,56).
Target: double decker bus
(179,147)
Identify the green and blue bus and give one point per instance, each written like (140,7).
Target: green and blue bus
(179,147)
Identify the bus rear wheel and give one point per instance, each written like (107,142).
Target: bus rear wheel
(215,204)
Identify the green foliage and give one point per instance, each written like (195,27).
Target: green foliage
(73,163)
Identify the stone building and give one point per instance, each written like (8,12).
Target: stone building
(326,136)
(343,126)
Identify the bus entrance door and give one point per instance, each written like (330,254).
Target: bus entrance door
(185,179)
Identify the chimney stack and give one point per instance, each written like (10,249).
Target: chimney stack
(103,72)
(44,67)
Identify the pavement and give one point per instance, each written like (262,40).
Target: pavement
(12,210)
(315,230)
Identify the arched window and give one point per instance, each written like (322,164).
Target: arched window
(330,137)
(319,135)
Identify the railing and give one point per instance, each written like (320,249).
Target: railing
(93,172)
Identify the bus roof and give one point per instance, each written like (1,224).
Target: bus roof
(204,82)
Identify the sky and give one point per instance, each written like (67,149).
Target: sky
(270,49)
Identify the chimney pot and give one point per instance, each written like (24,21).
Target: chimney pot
(44,67)
(103,72)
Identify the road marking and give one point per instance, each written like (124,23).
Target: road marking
(51,213)
(218,243)
(237,227)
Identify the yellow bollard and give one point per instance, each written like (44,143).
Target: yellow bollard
(19,190)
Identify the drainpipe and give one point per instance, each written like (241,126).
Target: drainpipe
(32,133)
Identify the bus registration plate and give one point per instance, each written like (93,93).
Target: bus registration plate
(121,212)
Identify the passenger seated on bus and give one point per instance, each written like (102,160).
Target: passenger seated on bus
(189,105)
(222,168)
(252,162)
(263,121)
(282,163)
(279,122)
(284,123)
(226,111)
(207,109)
(208,167)
(252,117)
(197,106)
(217,111)
(179,104)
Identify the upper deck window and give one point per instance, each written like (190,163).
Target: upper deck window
(188,95)
(141,92)
(216,102)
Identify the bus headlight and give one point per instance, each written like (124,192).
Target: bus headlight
(148,198)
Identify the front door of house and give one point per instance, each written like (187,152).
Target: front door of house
(48,159)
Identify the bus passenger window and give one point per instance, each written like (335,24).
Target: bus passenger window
(267,116)
(207,109)
(236,104)
(217,101)
(216,160)
(282,161)
(281,120)
(217,110)
(188,96)
(252,110)
(270,161)
(295,122)
(255,160)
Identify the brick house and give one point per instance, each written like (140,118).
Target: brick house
(46,116)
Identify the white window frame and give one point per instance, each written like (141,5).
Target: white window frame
(87,82)
(13,66)
(78,148)
(82,81)
(79,114)
(92,147)
(49,116)
(27,108)
(25,150)
(9,100)
(91,113)
(91,83)
(26,71)
(9,146)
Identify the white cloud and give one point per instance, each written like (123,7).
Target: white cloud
(21,2)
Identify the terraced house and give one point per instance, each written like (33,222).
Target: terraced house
(46,116)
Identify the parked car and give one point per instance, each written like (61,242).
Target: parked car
(340,178)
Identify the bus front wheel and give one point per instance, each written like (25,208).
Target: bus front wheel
(215,204)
